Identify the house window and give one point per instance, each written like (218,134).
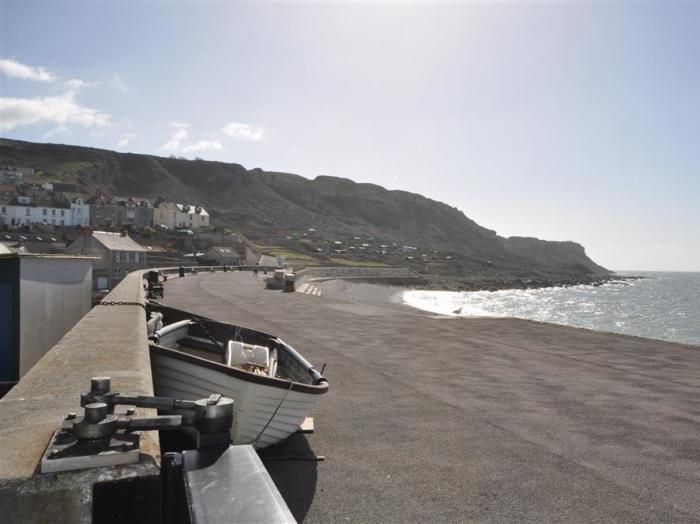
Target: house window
(63,222)
(28,212)
(4,210)
(53,221)
(63,212)
(136,257)
(127,257)
(43,211)
(117,256)
(53,212)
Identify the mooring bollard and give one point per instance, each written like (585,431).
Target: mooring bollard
(182,271)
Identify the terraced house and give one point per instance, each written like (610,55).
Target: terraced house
(26,211)
(117,253)
(180,216)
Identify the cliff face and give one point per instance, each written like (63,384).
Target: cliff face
(281,202)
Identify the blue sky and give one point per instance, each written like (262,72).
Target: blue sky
(563,121)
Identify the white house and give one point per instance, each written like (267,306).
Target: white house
(192,217)
(180,216)
(22,211)
(79,212)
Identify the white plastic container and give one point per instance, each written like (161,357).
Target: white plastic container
(238,353)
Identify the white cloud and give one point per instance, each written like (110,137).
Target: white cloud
(75,84)
(14,69)
(60,110)
(125,139)
(117,83)
(59,132)
(180,134)
(203,145)
(244,132)
(215,142)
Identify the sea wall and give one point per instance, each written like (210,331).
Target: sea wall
(108,341)
(374,275)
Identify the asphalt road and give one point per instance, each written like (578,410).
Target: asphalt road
(447,420)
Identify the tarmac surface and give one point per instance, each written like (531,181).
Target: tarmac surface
(444,420)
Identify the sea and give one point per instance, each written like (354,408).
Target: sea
(660,305)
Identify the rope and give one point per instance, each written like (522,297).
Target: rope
(210,336)
(255,442)
(237,334)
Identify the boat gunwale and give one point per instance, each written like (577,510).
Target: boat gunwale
(318,389)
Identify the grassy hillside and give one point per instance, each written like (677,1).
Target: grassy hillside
(269,206)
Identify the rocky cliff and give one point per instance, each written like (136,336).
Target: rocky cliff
(268,203)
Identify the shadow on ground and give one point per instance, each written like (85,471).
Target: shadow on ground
(293,467)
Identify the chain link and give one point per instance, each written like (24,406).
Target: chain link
(121,303)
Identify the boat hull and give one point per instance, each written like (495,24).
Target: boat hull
(254,403)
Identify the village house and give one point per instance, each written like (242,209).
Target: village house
(221,256)
(134,212)
(117,253)
(180,216)
(14,175)
(103,211)
(79,212)
(25,211)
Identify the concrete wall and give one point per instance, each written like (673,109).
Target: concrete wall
(109,340)
(55,293)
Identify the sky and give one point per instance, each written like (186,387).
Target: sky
(562,121)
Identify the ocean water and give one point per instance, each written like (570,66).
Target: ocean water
(664,306)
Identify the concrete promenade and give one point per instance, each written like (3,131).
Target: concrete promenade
(443,420)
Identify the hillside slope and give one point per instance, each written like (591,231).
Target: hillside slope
(270,203)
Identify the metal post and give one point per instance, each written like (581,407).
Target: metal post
(171,475)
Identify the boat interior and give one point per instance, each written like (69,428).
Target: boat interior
(228,345)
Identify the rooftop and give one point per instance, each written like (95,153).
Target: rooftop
(192,210)
(224,250)
(117,242)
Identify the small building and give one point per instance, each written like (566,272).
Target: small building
(41,298)
(221,256)
(116,255)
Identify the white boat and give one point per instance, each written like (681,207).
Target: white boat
(273,387)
